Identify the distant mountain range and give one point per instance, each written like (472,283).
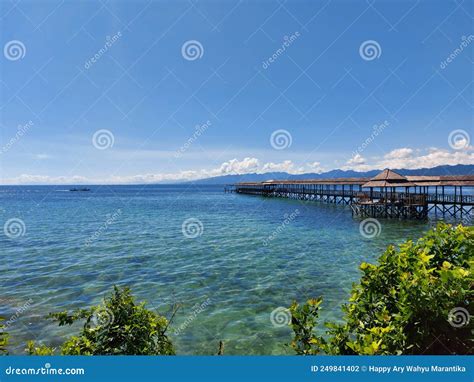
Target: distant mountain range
(439,170)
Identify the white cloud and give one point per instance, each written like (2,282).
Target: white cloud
(399,158)
(235,166)
(404,152)
(461,144)
(315,167)
(410,159)
(44,179)
(356,160)
(285,166)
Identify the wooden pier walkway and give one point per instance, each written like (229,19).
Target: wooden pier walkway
(388,194)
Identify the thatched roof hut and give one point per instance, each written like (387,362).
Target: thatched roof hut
(388,178)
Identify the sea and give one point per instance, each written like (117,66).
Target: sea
(232,263)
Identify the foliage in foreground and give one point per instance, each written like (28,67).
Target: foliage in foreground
(3,338)
(415,301)
(119,326)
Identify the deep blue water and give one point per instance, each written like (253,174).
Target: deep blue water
(247,261)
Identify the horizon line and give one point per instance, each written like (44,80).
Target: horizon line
(184,182)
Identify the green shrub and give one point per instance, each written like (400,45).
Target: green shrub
(119,326)
(3,338)
(415,301)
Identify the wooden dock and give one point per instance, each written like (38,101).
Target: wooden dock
(387,195)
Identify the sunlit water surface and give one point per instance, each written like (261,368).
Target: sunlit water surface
(254,255)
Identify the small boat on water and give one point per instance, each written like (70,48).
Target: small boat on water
(79,189)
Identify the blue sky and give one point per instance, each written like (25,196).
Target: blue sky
(264,85)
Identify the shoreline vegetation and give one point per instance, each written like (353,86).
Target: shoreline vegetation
(416,300)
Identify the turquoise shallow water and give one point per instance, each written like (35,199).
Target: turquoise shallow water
(253,255)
